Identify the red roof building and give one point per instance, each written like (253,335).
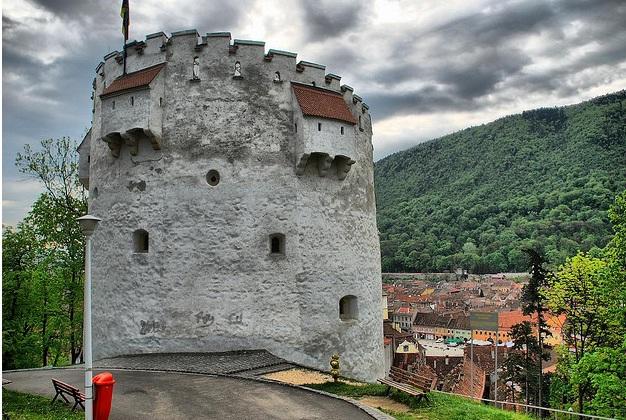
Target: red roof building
(134,80)
(324,103)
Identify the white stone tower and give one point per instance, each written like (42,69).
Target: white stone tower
(237,198)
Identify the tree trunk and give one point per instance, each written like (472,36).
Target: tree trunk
(539,322)
(580,398)
(44,340)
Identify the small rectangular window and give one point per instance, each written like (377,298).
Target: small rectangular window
(342,131)
(296,125)
(140,241)
(113,104)
(277,244)
(319,126)
(132,101)
(160,101)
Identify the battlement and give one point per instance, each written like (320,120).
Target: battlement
(159,48)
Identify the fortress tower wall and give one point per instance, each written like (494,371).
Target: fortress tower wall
(209,280)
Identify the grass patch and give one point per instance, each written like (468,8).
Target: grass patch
(20,406)
(346,390)
(449,407)
(439,406)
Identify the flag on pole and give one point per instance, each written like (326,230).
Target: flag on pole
(125,14)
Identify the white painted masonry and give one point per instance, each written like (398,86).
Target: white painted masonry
(209,281)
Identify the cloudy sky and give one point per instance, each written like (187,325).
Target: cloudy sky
(426,67)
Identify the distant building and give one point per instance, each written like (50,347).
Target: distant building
(425,325)
(459,327)
(403,317)
(407,347)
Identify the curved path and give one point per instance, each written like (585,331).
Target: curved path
(167,395)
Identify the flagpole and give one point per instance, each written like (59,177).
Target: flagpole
(124,56)
(125,14)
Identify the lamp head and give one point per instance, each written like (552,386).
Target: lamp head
(88,224)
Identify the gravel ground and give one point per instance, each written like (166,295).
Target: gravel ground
(303,376)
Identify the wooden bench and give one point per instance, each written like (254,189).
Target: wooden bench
(411,383)
(64,389)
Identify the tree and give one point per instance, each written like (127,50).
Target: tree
(521,366)
(56,166)
(58,240)
(533,303)
(604,371)
(617,214)
(591,292)
(18,256)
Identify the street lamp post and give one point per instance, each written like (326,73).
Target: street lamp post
(88,225)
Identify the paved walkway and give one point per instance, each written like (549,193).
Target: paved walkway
(158,395)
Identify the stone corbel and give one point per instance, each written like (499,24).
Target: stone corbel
(131,139)
(154,138)
(323,164)
(114,141)
(301,164)
(344,164)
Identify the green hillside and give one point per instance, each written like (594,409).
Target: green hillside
(474,198)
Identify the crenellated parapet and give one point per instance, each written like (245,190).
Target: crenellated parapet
(132,106)
(158,46)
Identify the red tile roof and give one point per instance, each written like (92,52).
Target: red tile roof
(407,298)
(133,80)
(323,103)
(507,319)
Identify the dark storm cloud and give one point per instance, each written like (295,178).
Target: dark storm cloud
(386,104)
(75,10)
(473,52)
(202,16)
(8,23)
(490,27)
(67,7)
(463,60)
(329,18)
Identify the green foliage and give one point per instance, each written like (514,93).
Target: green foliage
(476,198)
(18,406)
(604,370)
(43,265)
(591,292)
(617,246)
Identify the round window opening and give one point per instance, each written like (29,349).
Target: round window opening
(213,177)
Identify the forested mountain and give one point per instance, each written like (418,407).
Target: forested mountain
(475,198)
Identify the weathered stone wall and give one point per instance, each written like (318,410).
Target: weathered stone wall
(209,281)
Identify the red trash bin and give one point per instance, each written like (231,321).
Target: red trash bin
(103,388)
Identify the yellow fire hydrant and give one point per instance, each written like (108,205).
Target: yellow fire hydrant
(334,366)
